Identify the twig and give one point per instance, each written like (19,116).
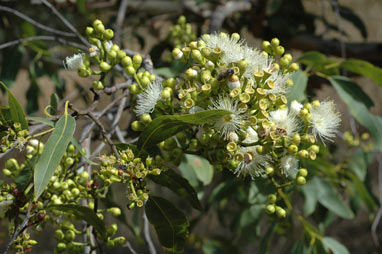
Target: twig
(146,234)
(67,23)
(379,213)
(222,11)
(43,38)
(120,18)
(128,245)
(23,226)
(35,23)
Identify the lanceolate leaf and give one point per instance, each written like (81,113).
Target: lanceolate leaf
(54,149)
(73,140)
(83,213)
(363,68)
(17,112)
(360,112)
(352,89)
(179,185)
(170,224)
(334,246)
(321,191)
(164,127)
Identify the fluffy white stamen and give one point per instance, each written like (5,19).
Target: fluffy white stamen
(72,63)
(289,166)
(253,163)
(147,100)
(325,120)
(284,120)
(228,123)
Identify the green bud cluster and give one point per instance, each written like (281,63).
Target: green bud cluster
(181,33)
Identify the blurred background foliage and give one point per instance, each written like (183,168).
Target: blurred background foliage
(339,47)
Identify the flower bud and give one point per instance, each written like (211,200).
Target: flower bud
(145,118)
(98,85)
(280,50)
(269,171)
(70,235)
(270,209)
(265,45)
(115,211)
(303,172)
(300,180)
(292,149)
(137,60)
(231,147)
(126,61)
(104,66)
(130,70)
(304,154)
(89,30)
(234,82)
(272,198)
(7,172)
(275,42)
(294,67)
(12,164)
(281,213)
(108,34)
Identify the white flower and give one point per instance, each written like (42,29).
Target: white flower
(33,142)
(253,163)
(252,136)
(289,166)
(325,120)
(72,63)
(230,46)
(256,61)
(279,79)
(228,123)
(93,51)
(285,121)
(108,45)
(295,107)
(147,100)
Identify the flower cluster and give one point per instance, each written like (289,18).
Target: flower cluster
(262,135)
(13,136)
(181,33)
(70,184)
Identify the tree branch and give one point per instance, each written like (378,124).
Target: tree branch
(43,38)
(67,23)
(35,23)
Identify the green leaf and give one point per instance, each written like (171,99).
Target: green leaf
(17,112)
(202,168)
(352,89)
(362,192)
(53,104)
(350,16)
(54,149)
(299,248)
(5,115)
(360,112)
(73,140)
(166,126)
(24,178)
(9,69)
(321,191)
(266,241)
(81,151)
(360,162)
(170,224)
(83,213)
(320,63)
(179,185)
(310,193)
(363,68)
(334,246)
(297,92)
